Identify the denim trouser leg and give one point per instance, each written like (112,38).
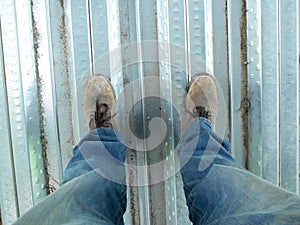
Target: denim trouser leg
(94,190)
(218,191)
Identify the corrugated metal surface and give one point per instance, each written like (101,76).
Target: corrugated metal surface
(289,85)
(49,48)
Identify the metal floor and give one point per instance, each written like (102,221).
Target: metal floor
(49,49)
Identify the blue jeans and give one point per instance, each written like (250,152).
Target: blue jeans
(217,189)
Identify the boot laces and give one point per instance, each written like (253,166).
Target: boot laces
(203,112)
(103,116)
(200,111)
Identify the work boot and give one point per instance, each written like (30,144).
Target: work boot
(201,99)
(100,103)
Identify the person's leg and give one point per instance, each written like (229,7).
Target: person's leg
(219,191)
(94,190)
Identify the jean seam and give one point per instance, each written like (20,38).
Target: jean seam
(187,188)
(198,212)
(119,216)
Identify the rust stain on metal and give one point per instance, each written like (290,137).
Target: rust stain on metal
(126,81)
(64,44)
(50,182)
(133,190)
(133,205)
(43,138)
(227,72)
(244,90)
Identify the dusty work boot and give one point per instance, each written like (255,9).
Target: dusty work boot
(201,99)
(100,103)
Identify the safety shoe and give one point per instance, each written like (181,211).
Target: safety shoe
(100,103)
(201,99)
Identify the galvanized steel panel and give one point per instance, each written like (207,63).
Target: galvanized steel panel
(289,95)
(237,63)
(130,73)
(46,93)
(99,36)
(219,52)
(138,197)
(31,99)
(270,90)
(62,60)
(166,94)
(238,41)
(16,105)
(9,207)
(196,35)
(254,86)
(149,31)
(81,51)
(177,11)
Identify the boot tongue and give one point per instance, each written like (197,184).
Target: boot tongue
(103,108)
(103,116)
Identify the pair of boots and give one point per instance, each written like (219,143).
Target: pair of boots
(100,101)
